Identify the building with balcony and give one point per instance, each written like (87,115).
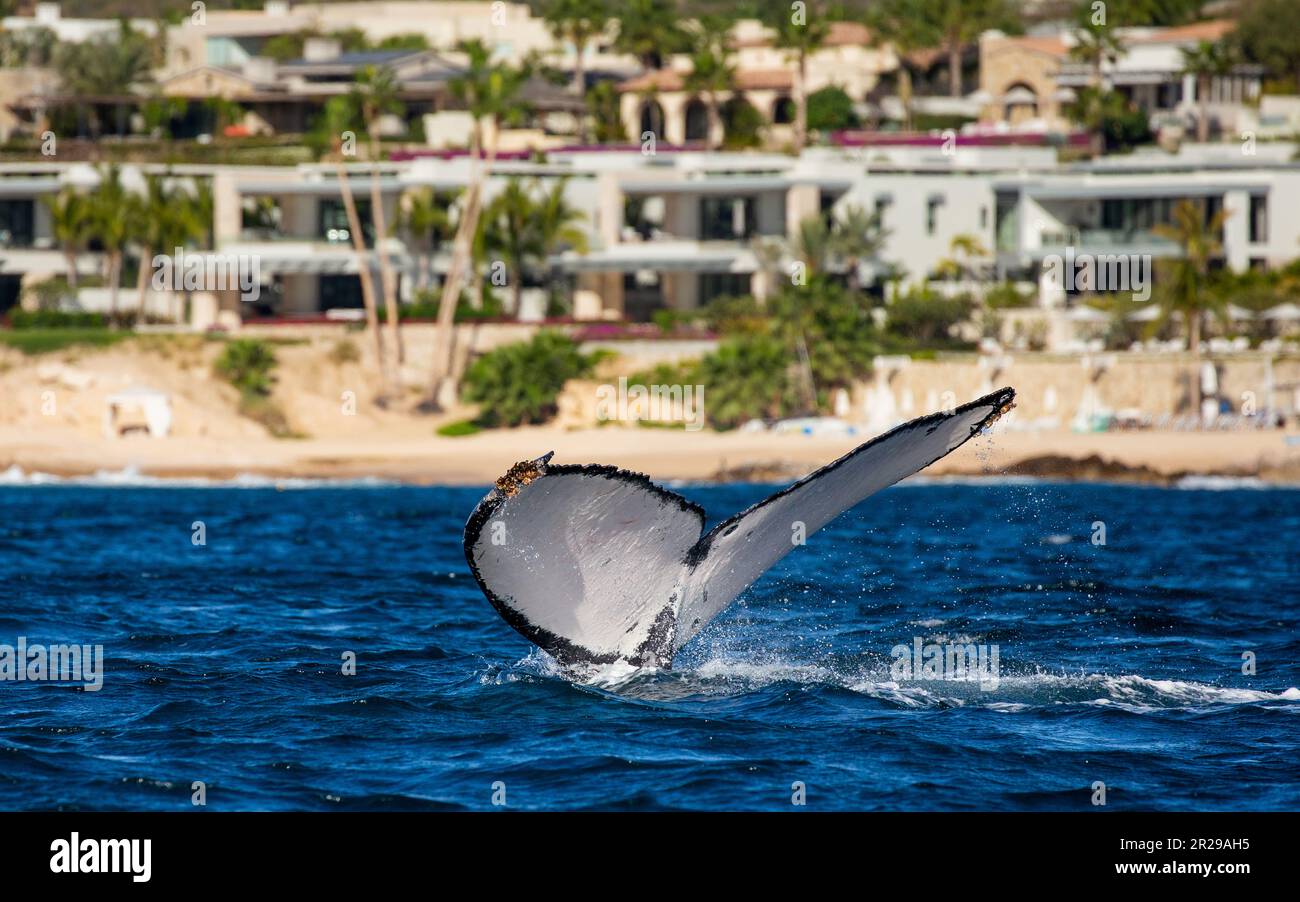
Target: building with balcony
(29,252)
(1113,207)
(1029,81)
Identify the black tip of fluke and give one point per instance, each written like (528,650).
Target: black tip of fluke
(544,459)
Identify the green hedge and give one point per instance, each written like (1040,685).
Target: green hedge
(55,319)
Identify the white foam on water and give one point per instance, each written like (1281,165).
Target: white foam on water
(1226,483)
(131,477)
(1010,693)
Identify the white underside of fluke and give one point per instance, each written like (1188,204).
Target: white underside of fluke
(599,565)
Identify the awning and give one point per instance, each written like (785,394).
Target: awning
(28,187)
(731,185)
(662,257)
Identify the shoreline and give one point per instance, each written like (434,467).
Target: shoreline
(1147,458)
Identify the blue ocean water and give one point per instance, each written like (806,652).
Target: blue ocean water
(1119,663)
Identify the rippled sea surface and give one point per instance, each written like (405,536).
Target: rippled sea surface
(1119,663)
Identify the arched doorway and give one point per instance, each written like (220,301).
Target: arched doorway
(652,118)
(697,121)
(783,111)
(1019,103)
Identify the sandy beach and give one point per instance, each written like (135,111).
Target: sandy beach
(52,421)
(662,454)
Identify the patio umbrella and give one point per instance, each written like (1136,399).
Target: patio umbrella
(1086,314)
(1145,314)
(1287,311)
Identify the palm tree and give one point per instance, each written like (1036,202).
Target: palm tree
(650,30)
(818,243)
(960,23)
(108,64)
(558,226)
(508,232)
(115,217)
(427,222)
(1187,291)
(902,25)
(336,119)
(856,235)
(964,252)
(377,97)
(70,222)
(711,70)
(170,219)
(1204,61)
(491,94)
(801,33)
(813,244)
(579,22)
(1096,43)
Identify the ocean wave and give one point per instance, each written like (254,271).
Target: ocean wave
(1008,692)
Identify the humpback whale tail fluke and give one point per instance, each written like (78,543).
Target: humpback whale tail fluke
(599,565)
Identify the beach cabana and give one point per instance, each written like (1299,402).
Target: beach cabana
(138,409)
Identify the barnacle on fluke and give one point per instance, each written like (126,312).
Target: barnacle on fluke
(999,413)
(519,475)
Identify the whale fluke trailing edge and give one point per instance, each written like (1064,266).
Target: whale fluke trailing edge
(598,565)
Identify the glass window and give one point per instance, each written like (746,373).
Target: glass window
(334,221)
(1258,218)
(726,218)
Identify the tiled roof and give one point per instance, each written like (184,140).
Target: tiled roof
(668,81)
(1212,30)
(1051,45)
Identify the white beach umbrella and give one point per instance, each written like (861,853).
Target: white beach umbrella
(1086,314)
(1287,311)
(1235,312)
(1145,314)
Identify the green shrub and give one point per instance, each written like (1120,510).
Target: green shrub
(831,109)
(344,351)
(518,383)
(459,428)
(55,319)
(45,341)
(926,317)
(492,308)
(748,377)
(1006,294)
(743,125)
(833,327)
(261,409)
(734,316)
(247,364)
